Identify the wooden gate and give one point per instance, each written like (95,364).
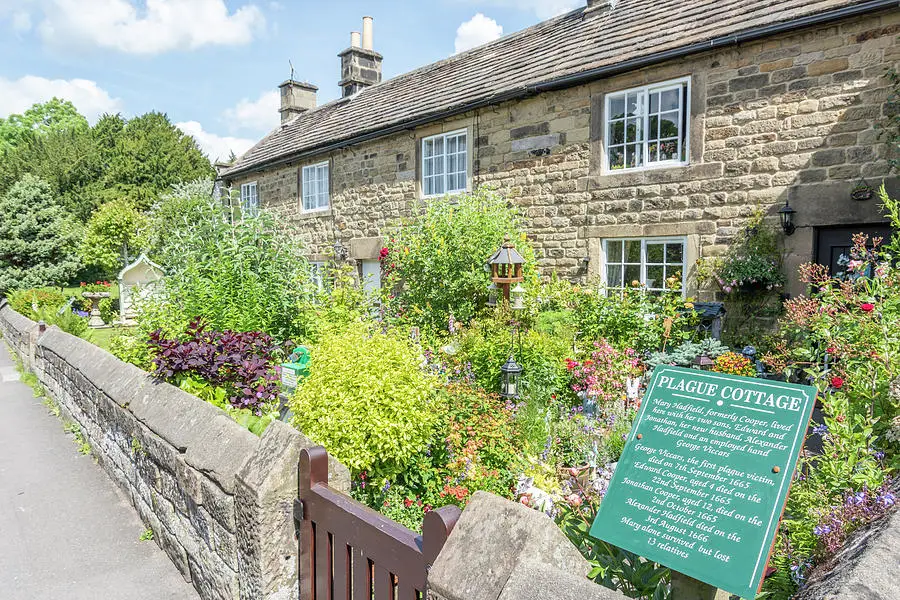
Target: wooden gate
(349,551)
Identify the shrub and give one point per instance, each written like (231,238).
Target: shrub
(37,238)
(436,260)
(244,363)
(66,320)
(486,344)
(366,400)
(238,274)
(636,319)
(24,301)
(109,310)
(733,363)
(116,227)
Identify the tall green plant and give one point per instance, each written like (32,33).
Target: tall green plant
(238,274)
(115,231)
(436,260)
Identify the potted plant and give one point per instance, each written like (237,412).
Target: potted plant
(96,292)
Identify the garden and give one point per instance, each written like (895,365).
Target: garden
(468,371)
(439,386)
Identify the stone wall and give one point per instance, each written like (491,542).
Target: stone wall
(218,498)
(788,117)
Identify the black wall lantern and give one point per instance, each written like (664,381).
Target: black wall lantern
(509,382)
(787,218)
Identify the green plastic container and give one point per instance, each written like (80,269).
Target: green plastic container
(293,372)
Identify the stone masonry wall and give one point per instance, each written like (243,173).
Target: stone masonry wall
(788,117)
(218,498)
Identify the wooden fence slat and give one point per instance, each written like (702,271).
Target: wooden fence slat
(323,564)
(341,569)
(362,580)
(407,591)
(384,584)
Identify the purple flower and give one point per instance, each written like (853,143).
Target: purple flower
(821,530)
(820,430)
(879,455)
(887,500)
(387,486)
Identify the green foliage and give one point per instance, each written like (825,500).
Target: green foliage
(341,303)
(149,156)
(108,310)
(40,119)
(27,302)
(436,260)
(218,396)
(37,240)
(66,320)
(373,381)
(613,567)
(147,535)
(685,354)
(636,319)
(115,229)
(488,342)
(238,274)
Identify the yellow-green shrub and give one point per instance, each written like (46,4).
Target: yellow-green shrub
(366,400)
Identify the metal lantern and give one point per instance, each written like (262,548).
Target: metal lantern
(517,298)
(509,378)
(786,214)
(492,295)
(506,267)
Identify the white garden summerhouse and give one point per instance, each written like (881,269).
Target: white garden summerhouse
(137,280)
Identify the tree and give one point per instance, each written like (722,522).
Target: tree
(37,239)
(115,229)
(151,155)
(42,118)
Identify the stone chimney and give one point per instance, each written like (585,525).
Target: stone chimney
(360,64)
(603,5)
(297,97)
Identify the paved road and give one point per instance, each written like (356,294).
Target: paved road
(66,533)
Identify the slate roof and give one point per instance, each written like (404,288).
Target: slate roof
(572,43)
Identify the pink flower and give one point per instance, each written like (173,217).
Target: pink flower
(525,500)
(867,307)
(574,499)
(837,382)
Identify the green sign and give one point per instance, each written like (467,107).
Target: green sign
(705,473)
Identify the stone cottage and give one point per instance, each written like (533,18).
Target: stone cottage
(635,136)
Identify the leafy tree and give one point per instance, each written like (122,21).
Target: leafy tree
(149,156)
(53,115)
(37,239)
(117,228)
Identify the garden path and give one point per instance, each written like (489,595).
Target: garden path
(65,530)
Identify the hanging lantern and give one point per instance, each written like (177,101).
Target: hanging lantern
(517,297)
(492,295)
(509,378)
(506,267)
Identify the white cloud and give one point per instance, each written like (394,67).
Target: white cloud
(476,31)
(149,27)
(257,116)
(217,147)
(542,9)
(90,99)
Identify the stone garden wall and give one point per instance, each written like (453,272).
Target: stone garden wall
(218,498)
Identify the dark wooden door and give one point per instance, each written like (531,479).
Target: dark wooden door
(833,242)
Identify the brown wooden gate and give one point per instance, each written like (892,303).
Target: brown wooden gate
(349,551)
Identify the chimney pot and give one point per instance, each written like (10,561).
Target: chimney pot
(367,42)
(355,40)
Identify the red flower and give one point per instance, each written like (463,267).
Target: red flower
(407,502)
(837,382)
(867,307)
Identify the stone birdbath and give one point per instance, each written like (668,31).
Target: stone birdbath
(95,297)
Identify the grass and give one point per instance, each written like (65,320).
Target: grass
(102,337)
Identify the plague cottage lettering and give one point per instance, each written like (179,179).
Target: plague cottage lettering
(702,482)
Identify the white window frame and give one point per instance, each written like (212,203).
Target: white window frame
(604,254)
(317,269)
(249,199)
(684,120)
(459,133)
(308,175)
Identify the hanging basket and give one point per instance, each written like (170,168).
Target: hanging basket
(862,193)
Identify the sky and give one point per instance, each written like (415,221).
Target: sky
(214,65)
